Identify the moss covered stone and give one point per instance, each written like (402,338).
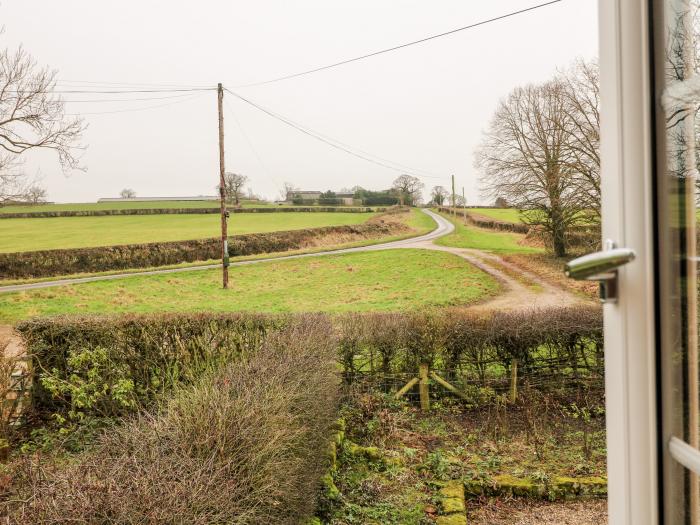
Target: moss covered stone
(452,498)
(452,519)
(506,484)
(330,491)
(368,453)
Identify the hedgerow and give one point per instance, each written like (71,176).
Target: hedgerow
(47,263)
(131,360)
(184,211)
(246,444)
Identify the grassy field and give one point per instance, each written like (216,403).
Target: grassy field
(483,239)
(500,214)
(20,235)
(87,206)
(389,280)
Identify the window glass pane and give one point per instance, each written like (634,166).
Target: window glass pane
(678,102)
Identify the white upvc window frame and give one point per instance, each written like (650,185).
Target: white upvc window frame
(627,211)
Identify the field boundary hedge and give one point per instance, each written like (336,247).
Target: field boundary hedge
(184,211)
(47,263)
(153,352)
(482,221)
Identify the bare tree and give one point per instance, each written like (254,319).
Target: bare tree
(524,158)
(32,117)
(581,123)
(127,193)
(36,194)
(408,189)
(288,189)
(233,186)
(439,194)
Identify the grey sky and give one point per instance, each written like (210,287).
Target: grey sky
(424,106)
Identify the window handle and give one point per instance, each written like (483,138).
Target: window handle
(602,267)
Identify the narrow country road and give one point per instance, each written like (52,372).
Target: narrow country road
(520,289)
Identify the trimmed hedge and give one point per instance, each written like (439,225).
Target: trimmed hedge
(47,263)
(155,352)
(181,211)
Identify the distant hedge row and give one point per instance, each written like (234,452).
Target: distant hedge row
(47,263)
(182,211)
(493,224)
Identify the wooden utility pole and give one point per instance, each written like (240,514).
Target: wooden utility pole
(464,205)
(454,209)
(222,189)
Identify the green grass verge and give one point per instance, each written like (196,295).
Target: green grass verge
(483,239)
(21,235)
(500,214)
(389,280)
(131,205)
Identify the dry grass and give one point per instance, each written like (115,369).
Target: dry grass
(528,512)
(244,446)
(552,270)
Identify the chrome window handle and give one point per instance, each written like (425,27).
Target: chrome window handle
(602,267)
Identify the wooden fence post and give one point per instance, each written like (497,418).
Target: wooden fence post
(513,380)
(423,387)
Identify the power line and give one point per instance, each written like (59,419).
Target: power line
(125,99)
(400,46)
(130,84)
(336,143)
(129,110)
(250,145)
(83,91)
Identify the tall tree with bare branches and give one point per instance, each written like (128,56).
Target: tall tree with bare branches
(32,117)
(524,158)
(581,122)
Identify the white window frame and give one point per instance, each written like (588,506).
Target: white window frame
(627,197)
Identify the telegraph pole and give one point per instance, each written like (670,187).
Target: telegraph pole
(222,189)
(454,209)
(464,205)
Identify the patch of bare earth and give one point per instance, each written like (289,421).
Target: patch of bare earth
(528,512)
(522,289)
(552,270)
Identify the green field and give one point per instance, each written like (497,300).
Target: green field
(483,239)
(21,235)
(134,205)
(500,214)
(390,280)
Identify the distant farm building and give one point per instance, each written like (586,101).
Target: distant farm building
(319,197)
(147,199)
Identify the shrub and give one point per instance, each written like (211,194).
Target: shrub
(244,445)
(108,366)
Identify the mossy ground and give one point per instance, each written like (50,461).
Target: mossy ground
(452,443)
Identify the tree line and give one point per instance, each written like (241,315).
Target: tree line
(540,153)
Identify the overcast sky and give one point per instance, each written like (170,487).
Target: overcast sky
(424,107)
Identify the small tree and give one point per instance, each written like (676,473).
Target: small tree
(127,193)
(233,186)
(408,188)
(36,194)
(287,193)
(439,194)
(501,203)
